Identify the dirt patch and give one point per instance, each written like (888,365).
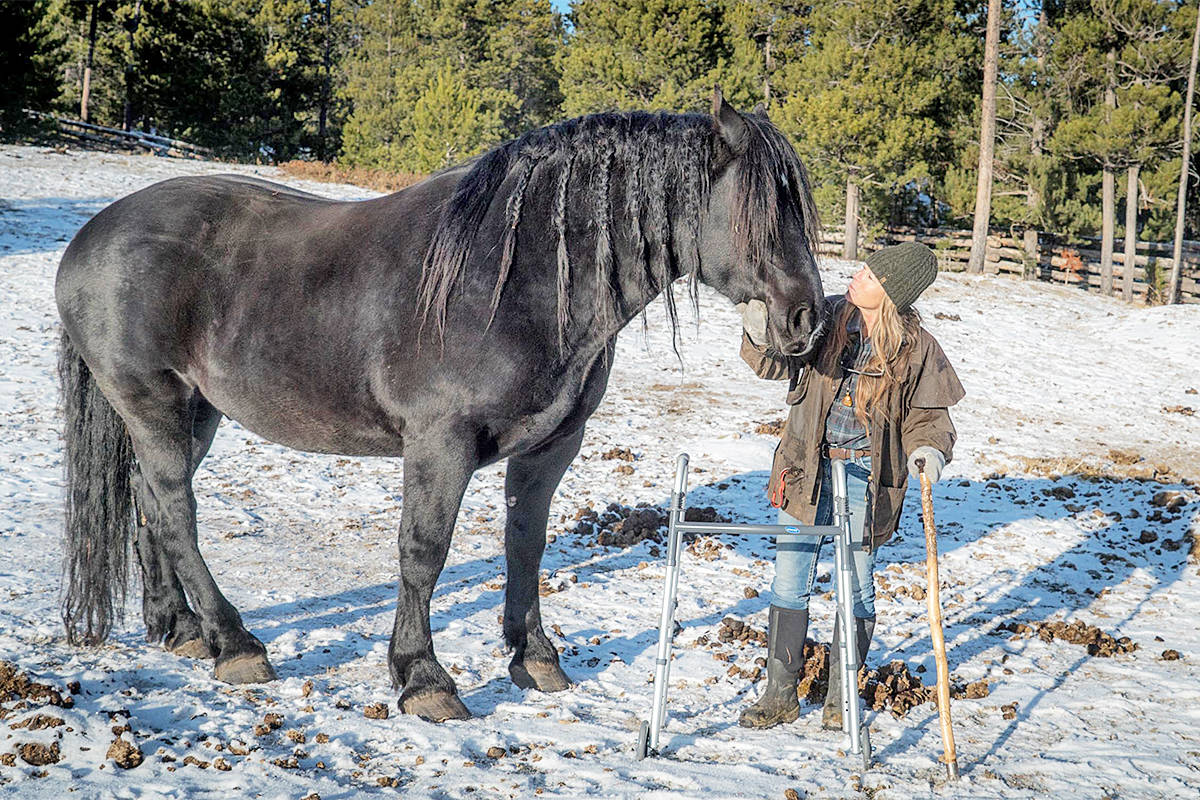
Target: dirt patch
(621,453)
(39,755)
(620,525)
(1170,501)
(1097,642)
(546,587)
(734,629)
(686,387)
(1118,465)
(376,711)
(774,428)
(891,687)
(271,722)
(37,722)
(127,754)
(624,526)
(16,685)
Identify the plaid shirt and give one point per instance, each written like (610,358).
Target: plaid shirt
(842,427)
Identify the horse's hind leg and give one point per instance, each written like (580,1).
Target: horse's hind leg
(530,481)
(159,415)
(168,617)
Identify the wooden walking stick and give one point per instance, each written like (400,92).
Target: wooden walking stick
(934,601)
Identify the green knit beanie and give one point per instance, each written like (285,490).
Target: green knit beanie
(905,270)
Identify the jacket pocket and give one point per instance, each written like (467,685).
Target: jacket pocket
(885,512)
(786,474)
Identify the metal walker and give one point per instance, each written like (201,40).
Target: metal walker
(852,715)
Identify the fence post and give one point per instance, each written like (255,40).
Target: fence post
(1033,256)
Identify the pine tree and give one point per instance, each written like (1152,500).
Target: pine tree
(293,34)
(1120,57)
(504,54)
(761,39)
(108,55)
(643,54)
(449,123)
(30,55)
(874,98)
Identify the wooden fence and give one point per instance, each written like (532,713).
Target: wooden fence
(125,140)
(1035,256)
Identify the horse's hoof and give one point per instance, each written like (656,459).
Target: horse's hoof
(249,668)
(435,706)
(192,648)
(545,676)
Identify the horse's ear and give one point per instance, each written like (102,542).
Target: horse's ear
(729,124)
(760,110)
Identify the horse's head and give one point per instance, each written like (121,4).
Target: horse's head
(759,235)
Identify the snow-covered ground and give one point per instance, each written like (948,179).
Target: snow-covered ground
(1057,382)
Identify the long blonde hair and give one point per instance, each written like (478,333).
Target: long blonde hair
(892,337)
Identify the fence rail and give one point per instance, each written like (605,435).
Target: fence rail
(114,137)
(1041,256)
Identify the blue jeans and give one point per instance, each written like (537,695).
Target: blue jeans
(796,558)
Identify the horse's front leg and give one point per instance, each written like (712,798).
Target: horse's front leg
(530,482)
(437,469)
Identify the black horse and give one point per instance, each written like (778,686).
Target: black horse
(469,318)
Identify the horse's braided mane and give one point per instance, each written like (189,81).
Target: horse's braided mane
(665,162)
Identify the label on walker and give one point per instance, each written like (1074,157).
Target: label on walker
(792,529)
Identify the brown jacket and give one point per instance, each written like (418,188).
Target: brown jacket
(918,415)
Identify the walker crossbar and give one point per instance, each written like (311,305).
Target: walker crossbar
(852,717)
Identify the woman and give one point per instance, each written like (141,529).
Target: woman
(876,395)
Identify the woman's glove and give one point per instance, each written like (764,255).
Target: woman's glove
(754,320)
(934,462)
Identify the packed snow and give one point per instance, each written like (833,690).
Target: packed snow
(1079,415)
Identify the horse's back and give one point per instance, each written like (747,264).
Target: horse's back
(272,302)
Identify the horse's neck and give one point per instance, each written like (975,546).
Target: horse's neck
(633,296)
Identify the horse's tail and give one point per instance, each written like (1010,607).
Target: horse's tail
(98,461)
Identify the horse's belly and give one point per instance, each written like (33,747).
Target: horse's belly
(309,427)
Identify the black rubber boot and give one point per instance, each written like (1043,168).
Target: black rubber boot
(831,716)
(786,632)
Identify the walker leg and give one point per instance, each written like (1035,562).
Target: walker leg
(852,716)
(666,624)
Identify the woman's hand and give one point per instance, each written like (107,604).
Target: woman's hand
(934,462)
(754,320)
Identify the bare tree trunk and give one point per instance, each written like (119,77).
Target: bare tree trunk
(1131,212)
(1173,288)
(850,245)
(987,140)
(768,65)
(87,69)
(1108,211)
(131,26)
(1108,202)
(1037,142)
(322,153)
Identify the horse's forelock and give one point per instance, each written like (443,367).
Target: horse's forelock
(771,180)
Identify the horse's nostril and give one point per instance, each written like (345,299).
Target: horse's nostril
(801,320)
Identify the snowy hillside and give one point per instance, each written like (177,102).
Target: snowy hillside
(1050,512)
